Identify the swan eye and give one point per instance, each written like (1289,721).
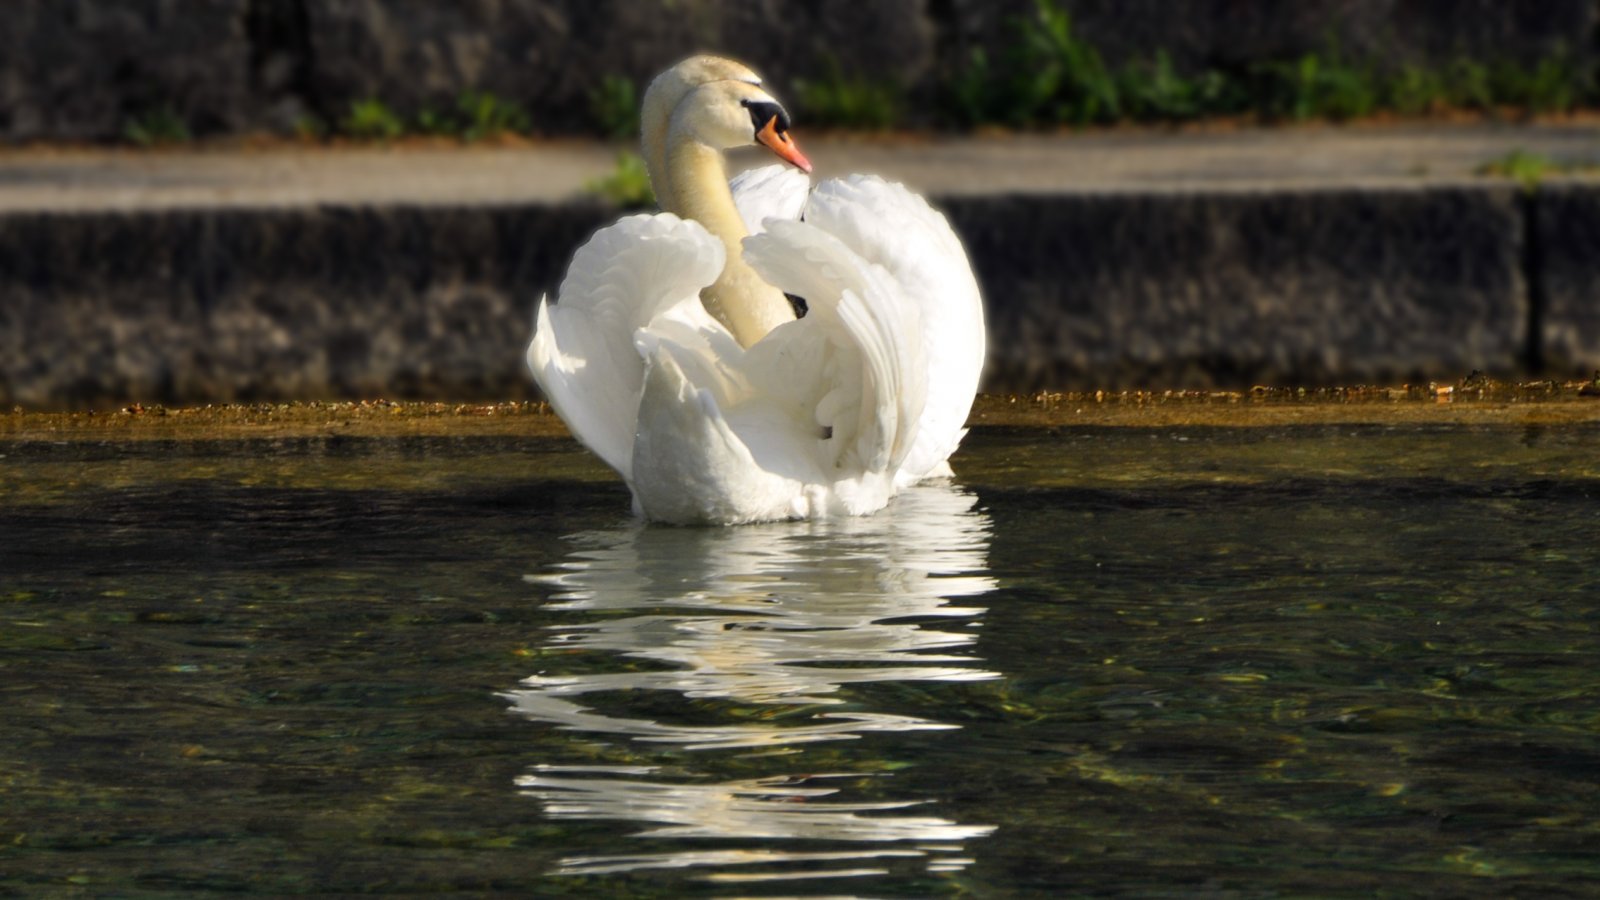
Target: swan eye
(763,111)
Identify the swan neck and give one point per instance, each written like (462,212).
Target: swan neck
(696,187)
(655,118)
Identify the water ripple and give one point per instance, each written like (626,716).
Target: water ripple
(788,618)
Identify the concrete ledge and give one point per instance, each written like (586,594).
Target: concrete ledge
(1166,289)
(1190,290)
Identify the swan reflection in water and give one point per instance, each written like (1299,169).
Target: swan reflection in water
(781,618)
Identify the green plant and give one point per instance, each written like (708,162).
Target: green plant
(1347,91)
(485,115)
(372,120)
(614,106)
(1052,76)
(1058,77)
(835,99)
(158,126)
(1316,86)
(1220,94)
(1527,169)
(309,127)
(628,185)
(1552,85)
(967,93)
(1469,85)
(1414,90)
(1555,85)
(1156,91)
(431,121)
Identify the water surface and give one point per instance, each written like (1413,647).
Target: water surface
(1329,660)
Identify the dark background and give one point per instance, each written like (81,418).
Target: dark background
(85,69)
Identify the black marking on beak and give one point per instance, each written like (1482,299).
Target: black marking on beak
(763,111)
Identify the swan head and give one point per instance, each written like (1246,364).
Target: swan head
(721,103)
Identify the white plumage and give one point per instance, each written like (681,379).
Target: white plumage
(824,415)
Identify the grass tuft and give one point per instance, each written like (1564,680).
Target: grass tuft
(628,185)
(848,102)
(372,120)
(157,127)
(478,116)
(1528,169)
(310,127)
(1155,91)
(614,107)
(1315,87)
(1051,76)
(485,116)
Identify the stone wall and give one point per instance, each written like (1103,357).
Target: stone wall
(85,69)
(99,309)
(1233,34)
(1083,291)
(82,69)
(1308,287)
(1565,257)
(551,55)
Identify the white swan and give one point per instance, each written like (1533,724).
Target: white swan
(673,353)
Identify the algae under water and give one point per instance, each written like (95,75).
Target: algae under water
(1312,659)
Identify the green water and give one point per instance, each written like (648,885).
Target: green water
(1324,661)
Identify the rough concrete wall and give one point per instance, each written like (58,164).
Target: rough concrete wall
(1233,34)
(1082,291)
(551,56)
(251,305)
(1175,290)
(1567,253)
(82,69)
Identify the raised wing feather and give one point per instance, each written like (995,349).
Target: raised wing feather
(891,227)
(770,192)
(583,354)
(872,387)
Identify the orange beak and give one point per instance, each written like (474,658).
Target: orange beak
(783,145)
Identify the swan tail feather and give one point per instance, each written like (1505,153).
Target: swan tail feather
(691,465)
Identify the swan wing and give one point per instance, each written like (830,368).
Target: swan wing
(770,192)
(888,226)
(854,364)
(644,268)
(815,419)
